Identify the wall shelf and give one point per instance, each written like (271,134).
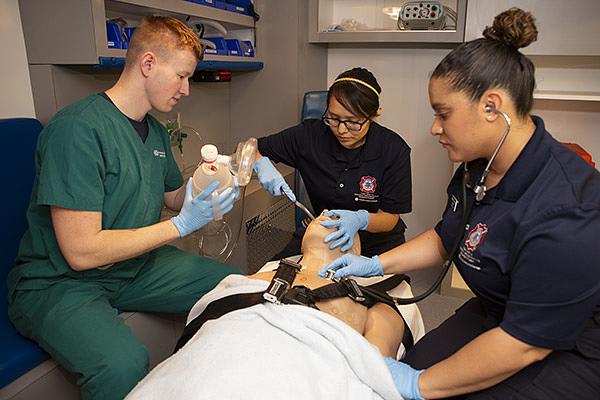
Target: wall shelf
(209,63)
(566,95)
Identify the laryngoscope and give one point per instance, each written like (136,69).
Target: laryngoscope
(304,210)
(480,191)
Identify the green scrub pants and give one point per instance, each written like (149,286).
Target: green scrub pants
(76,322)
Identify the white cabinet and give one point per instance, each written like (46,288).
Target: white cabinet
(376,21)
(73,32)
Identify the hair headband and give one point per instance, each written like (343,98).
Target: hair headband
(357,81)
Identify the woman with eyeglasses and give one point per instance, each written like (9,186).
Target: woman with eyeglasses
(350,165)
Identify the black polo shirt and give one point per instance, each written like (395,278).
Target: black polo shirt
(375,176)
(531,251)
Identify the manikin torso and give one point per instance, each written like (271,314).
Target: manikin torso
(380,320)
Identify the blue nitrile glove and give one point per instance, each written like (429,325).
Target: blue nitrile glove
(198,211)
(271,179)
(348,223)
(349,264)
(406,378)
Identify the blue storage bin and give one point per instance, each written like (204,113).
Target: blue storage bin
(220,4)
(129,32)
(234,48)
(113,35)
(247,48)
(221,49)
(237,6)
(209,3)
(240,6)
(241,3)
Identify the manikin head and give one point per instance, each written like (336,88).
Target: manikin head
(162,55)
(315,253)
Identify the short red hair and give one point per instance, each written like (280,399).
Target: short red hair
(161,35)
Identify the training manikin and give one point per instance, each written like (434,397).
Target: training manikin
(281,351)
(380,324)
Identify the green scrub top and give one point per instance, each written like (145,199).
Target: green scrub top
(90,158)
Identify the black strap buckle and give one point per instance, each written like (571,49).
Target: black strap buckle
(353,290)
(276,290)
(282,281)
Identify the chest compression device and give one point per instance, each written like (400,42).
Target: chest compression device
(217,239)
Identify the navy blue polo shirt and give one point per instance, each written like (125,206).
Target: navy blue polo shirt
(531,251)
(375,176)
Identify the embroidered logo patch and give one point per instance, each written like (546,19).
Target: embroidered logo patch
(476,236)
(368,184)
(159,153)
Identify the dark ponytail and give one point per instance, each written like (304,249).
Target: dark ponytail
(495,61)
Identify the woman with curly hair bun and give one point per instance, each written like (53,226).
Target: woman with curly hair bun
(528,250)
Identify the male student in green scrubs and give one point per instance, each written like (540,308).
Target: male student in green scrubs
(95,244)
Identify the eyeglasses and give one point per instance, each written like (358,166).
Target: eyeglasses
(350,125)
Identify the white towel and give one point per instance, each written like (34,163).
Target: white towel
(269,352)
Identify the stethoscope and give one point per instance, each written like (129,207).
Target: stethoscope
(479,190)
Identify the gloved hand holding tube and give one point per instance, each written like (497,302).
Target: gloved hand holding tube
(271,179)
(199,211)
(406,379)
(350,264)
(347,224)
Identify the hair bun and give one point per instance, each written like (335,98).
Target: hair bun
(514,27)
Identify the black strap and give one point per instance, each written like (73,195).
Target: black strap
(300,295)
(337,289)
(287,271)
(297,295)
(217,309)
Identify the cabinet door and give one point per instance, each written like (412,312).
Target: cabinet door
(565,27)
(74,32)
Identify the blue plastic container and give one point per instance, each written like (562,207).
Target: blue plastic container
(247,48)
(129,32)
(240,6)
(220,4)
(221,44)
(234,48)
(114,36)
(209,3)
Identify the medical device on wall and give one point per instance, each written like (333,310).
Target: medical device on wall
(216,239)
(423,15)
